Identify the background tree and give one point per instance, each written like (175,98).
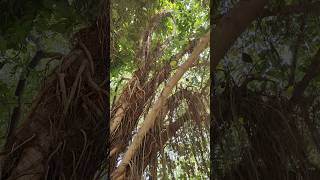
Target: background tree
(266,123)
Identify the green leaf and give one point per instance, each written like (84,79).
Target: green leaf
(173,64)
(289,91)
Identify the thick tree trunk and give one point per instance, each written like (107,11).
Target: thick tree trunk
(64,136)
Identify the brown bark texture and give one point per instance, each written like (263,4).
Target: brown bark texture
(64,135)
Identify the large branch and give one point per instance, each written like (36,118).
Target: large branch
(151,116)
(308,8)
(232,25)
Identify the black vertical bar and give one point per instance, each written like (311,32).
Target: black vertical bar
(106,59)
(108,84)
(212,92)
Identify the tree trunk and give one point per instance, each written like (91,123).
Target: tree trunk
(64,136)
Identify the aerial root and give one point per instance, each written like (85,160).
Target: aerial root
(50,156)
(74,86)
(93,106)
(62,84)
(21,144)
(85,138)
(88,54)
(93,85)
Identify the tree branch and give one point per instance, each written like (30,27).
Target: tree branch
(309,8)
(232,25)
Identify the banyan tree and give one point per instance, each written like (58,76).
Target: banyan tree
(159,89)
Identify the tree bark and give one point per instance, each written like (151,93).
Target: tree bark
(232,25)
(64,136)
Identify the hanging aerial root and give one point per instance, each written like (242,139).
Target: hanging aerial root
(62,84)
(88,54)
(74,86)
